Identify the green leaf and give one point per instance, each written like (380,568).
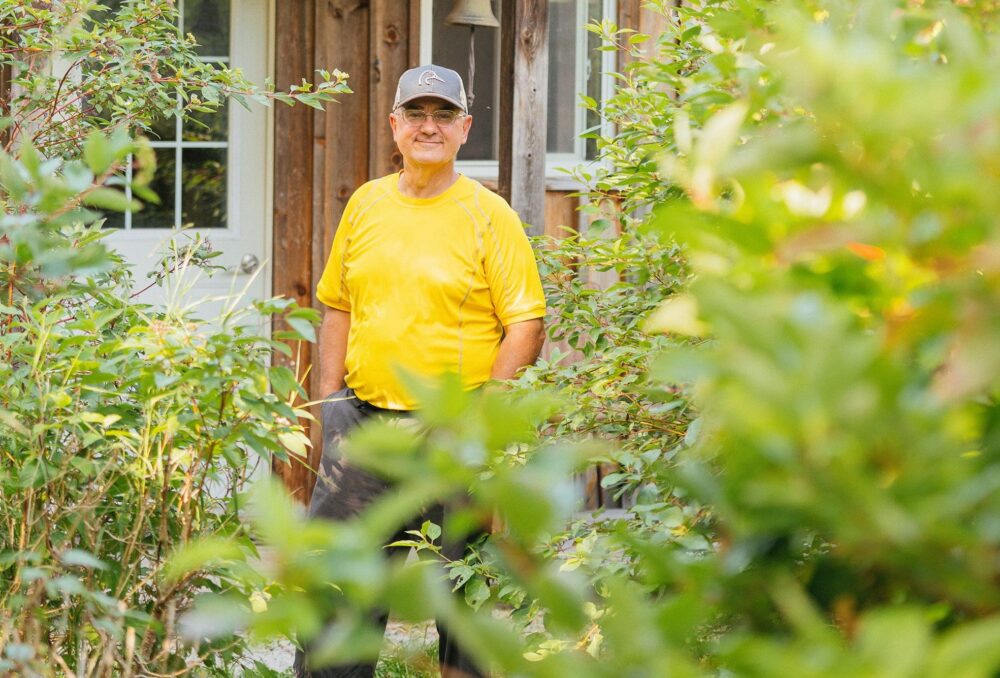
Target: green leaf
(111,199)
(283,382)
(477,592)
(431,530)
(296,443)
(201,554)
(98,153)
(80,558)
(303,328)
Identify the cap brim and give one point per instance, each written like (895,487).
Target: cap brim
(432,95)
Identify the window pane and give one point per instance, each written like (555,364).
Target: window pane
(163,129)
(203,178)
(162,215)
(450,48)
(113,6)
(212,126)
(594,59)
(208,21)
(563,31)
(114,220)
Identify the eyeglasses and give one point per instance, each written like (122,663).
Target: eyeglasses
(443,117)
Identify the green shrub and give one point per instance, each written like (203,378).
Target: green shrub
(828,171)
(126,430)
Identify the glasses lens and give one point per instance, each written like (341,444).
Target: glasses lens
(445,116)
(414,116)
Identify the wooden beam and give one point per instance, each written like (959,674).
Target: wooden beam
(335,164)
(390,44)
(523,158)
(293,195)
(531,78)
(505,137)
(413,49)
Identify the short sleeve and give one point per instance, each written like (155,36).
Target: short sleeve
(511,271)
(332,288)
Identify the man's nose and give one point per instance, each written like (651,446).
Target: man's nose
(428,126)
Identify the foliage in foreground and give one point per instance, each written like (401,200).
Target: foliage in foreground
(125,430)
(829,169)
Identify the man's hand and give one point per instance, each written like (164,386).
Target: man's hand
(332,347)
(522,342)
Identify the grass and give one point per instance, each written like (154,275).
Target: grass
(413,661)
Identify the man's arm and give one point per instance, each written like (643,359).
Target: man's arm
(519,348)
(333,349)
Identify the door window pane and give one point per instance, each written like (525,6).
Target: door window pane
(203,177)
(114,220)
(195,193)
(208,21)
(163,129)
(213,126)
(164,179)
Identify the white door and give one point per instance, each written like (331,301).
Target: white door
(212,177)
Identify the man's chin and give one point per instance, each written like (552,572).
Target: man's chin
(430,159)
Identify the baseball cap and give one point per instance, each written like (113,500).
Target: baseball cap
(432,81)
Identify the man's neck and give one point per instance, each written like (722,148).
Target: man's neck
(426,182)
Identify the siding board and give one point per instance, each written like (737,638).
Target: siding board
(390,33)
(293,196)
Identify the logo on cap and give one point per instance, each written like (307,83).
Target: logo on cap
(425,78)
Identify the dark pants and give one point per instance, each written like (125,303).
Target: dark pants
(343,492)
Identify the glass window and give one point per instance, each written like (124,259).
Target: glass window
(191,155)
(450,48)
(575,67)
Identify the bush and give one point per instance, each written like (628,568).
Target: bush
(126,430)
(827,170)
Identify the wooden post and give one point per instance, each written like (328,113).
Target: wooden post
(293,196)
(523,95)
(505,137)
(340,149)
(390,57)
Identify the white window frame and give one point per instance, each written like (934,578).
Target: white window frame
(247,194)
(554,162)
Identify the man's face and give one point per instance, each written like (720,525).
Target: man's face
(427,142)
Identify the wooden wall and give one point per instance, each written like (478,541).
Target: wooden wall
(322,157)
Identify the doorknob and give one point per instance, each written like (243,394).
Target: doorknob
(249,263)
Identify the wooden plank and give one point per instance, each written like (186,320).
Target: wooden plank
(628,17)
(560,213)
(633,14)
(390,42)
(413,48)
(505,135)
(528,139)
(341,138)
(293,194)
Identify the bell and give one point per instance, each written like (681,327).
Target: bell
(472,13)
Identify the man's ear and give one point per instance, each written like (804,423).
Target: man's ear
(467,125)
(393,124)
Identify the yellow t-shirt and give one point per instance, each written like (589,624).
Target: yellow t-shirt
(429,283)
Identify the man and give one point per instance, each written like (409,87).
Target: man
(429,272)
